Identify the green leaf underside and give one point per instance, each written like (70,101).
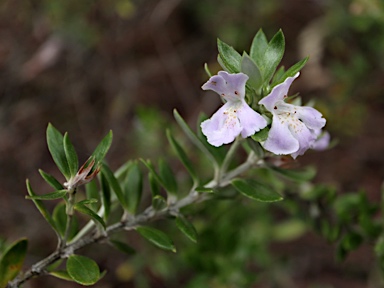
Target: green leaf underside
(56,148)
(106,196)
(133,187)
(204,190)
(60,217)
(83,270)
(70,154)
(87,211)
(261,135)
(182,156)
(297,175)
(187,228)
(249,67)
(61,274)
(256,190)
(50,196)
(121,246)
(12,261)
(52,181)
(156,237)
(41,207)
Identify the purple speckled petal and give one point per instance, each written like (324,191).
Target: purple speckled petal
(250,120)
(222,127)
(278,92)
(312,118)
(229,86)
(280,140)
(306,138)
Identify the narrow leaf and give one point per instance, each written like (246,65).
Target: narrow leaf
(133,188)
(168,177)
(112,181)
(187,228)
(258,47)
(40,206)
(230,57)
(12,261)
(92,192)
(249,67)
(156,237)
(83,270)
(103,147)
(273,55)
(256,190)
(56,148)
(71,155)
(61,274)
(292,71)
(59,215)
(52,181)
(49,196)
(182,156)
(192,136)
(87,211)
(201,189)
(261,136)
(121,246)
(297,175)
(106,196)
(158,202)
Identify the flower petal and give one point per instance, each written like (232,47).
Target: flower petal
(306,138)
(250,120)
(278,92)
(312,118)
(222,127)
(229,86)
(322,142)
(280,140)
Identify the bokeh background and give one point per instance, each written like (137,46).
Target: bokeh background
(89,66)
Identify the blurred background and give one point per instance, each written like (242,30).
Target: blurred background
(89,66)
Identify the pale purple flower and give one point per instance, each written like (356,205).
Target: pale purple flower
(322,141)
(235,117)
(294,128)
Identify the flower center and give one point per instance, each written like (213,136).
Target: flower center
(287,115)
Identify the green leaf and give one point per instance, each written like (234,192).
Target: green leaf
(261,135)
(87,211)
(56,148)
(182,156)
(202,189)
(71,155)
(153,183)
(12,261)
(61,274)
(297,175)
(49,196)
(121,246)
(59,215)
(40,206)
(133,188)
(52,181)
(168,177)
(249,67)
(92,192)
(258,47)
(187,228)
(288,230)
(83,270)
(278,75)
(114,184)
(103,147)
(106,196)
(273,56)
(256,190)
(229,57)
(291,71)
(158,202)
(156,237)
(192,136)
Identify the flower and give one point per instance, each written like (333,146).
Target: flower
(235,116)
(294,129)
(322,141)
